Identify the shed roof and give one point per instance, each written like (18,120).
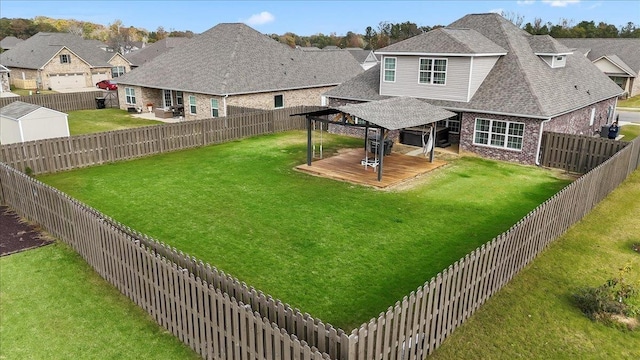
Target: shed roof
(18,109)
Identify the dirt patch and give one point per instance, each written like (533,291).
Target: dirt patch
(17,234)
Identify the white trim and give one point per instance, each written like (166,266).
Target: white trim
(554,54)
(127,96)
(195,104)
(469,82)
(274,101)
(592,118)
(384,69)
(537,162)
(614,64)
(417,53)
(217,108)
(432,71)
(21,131)
(506,134)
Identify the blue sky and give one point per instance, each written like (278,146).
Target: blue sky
(313,17)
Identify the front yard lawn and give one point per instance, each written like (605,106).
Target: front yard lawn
(630,132)
(100,120)
(632,102)
(338,251)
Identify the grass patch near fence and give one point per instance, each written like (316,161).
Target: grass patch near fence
(630,132)
(632,102)
(338,251)
(54,306)
(534,317)
(25,92)
(100,120)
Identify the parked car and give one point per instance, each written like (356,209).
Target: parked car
(107,85)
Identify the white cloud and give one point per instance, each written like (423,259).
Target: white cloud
(525,2)
(496,11)
(260,19)
(560,3)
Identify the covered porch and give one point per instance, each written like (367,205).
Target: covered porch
(367,165)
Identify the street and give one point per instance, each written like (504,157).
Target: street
(628,116)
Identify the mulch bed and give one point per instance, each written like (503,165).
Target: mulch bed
(18,235)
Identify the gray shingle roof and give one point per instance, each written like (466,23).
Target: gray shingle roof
(364,87)
(151,51)
(18,109)
(9,42)
(236,59)
(545,44)
(446,41)
(520,82)
(628,50)
(37,50)
(397,113)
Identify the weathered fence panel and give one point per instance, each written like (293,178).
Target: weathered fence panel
(576,153)
(222,318)
(65,102)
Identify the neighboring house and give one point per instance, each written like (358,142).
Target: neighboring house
(617,58)
(4,80)
(61,61)
(505,85)
(151,51)
(20,122)
(366,58)
(234,65)
(9,43)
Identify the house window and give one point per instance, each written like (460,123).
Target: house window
(500,134)
(179,98)
(65,59)
(389,69)
(167,98)
(432,71)
(214,108)
(117,71)
(453,124)
(130,95)
(192,104)
(278,101)
(621,81)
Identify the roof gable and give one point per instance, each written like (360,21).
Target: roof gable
(445,41)
(627,49)
(617,62)
(235,59)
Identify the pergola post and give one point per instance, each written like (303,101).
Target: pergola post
(380,152)
(433,142)
(308,140)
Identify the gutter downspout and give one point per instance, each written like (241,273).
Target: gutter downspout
(540,141)
(224,104)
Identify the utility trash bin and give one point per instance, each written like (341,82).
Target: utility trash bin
(100,103)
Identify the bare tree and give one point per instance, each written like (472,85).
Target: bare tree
(514,17)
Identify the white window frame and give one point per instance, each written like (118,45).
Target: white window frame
(167,95)
(431,72)
(130,95)
(193,107)
(118,71)
(493,135)
(390,70)
(592,118)
(215,112)
(275,102)
(454,120)
(65,59)
(179,98)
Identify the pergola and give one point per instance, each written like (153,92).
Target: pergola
(389,114)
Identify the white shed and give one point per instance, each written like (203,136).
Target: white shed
(20,122)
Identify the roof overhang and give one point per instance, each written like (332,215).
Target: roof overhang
(408,53)
(619,64)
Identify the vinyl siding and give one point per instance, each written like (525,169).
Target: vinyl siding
(406,84)
(608,68)
(481,66)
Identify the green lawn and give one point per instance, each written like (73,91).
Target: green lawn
(533,317)
(25,92)
(630,132)
(100,120)
(54,306)
(632,102)
(338,251)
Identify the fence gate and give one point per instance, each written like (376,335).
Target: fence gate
(111,99)
(576,153)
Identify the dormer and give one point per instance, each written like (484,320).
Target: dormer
(549,50)
(442,64)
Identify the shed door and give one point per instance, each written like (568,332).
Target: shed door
(67,81)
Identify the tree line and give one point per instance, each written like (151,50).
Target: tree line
(119,36)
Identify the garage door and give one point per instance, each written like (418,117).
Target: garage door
(99,77)
(67,81)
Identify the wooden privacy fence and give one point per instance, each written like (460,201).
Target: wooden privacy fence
(222,318)
(67,153)
(576,153)
(63,102)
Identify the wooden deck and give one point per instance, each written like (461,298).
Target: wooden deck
(346,166)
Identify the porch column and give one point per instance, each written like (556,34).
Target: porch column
(308,141)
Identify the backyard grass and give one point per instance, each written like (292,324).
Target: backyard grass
(100,120)
(630,132)
(533,317)
(632,102)
(25,92)
(54,306)
(338,251)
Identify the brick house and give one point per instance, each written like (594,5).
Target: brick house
(505,85)
(233,65)
(61,61)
